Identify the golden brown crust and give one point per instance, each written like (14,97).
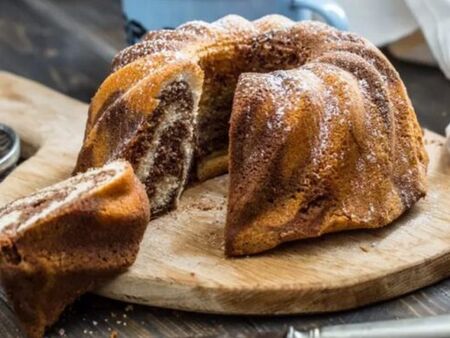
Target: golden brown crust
(71,251)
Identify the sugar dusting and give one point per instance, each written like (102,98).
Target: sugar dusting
(9,218)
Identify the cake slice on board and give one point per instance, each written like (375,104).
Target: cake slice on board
(64,240)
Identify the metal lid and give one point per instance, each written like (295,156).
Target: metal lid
(9,149)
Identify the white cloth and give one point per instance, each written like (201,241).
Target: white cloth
(386,21)
(379,21)
(434,20)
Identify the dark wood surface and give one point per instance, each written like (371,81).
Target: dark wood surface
(68,45)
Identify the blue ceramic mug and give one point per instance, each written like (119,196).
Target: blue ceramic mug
(144,15)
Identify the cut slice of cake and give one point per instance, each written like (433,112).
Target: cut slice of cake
(64,240)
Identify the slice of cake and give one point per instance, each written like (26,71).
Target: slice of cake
(64,240)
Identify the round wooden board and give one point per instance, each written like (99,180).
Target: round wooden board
(181,262)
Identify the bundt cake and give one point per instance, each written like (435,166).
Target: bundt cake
(167,104)
(64,240)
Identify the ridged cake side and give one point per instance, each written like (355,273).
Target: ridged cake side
(323,148)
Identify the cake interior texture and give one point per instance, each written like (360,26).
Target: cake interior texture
(222,68)
(152,126)
(163,152)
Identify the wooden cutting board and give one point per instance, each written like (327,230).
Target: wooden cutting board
(181,263)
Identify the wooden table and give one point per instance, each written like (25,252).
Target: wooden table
(67,45)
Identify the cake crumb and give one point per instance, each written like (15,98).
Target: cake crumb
(61,332)
(129,308)
(364,248)
(94,323)
(114,334)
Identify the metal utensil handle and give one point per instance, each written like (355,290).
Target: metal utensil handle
(9,149)
(330,10)
(428,327)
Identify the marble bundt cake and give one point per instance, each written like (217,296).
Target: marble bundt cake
(167,104)
(64,240)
